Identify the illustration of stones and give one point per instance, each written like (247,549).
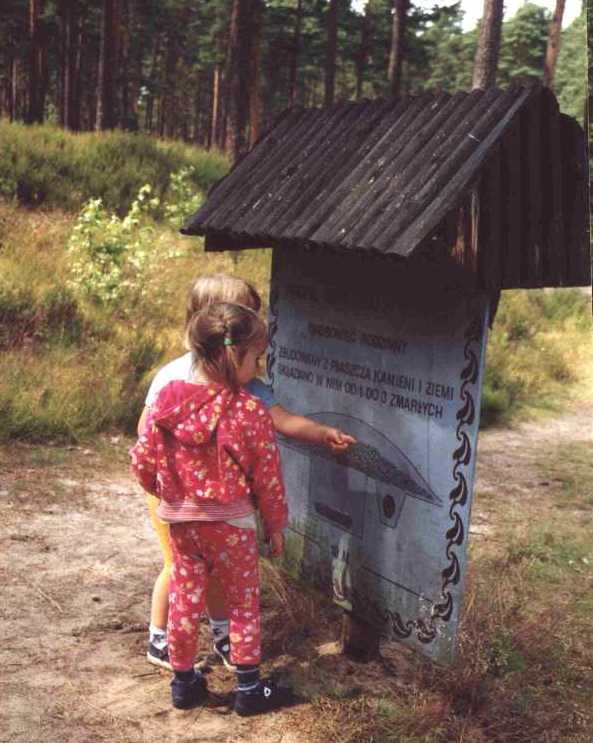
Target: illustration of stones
(340,483)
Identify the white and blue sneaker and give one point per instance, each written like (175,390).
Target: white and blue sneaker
(222,648)
(158,655)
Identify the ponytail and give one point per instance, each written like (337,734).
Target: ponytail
(219,337)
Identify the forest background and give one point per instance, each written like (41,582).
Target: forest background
(184,69)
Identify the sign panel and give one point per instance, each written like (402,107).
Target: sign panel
(383,527)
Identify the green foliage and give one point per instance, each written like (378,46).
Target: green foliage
(448,51)
(182,198)
(533,350)
(570,81)
(115,260)
(45,165)
(523,45)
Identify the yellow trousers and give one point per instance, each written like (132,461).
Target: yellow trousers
(162,530)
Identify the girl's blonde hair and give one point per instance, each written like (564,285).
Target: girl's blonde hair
(220,288)
(220,335)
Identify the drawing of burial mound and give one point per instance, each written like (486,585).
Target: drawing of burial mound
(340,483)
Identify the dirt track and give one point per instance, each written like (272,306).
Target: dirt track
(78,560)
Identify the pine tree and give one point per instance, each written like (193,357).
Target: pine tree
(331,52)
(570,80)
(107,63)
(553,44)
(396,51)
(523,45)
(486,60)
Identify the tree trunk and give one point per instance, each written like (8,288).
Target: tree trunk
(331,53)
(107,54)
(196,135)
(70,73)
(255,104)
(149,122)
(14,89)
(214,115)
(364,49)
(125,113)
(396,49)
(238,78)
(149,113)
(486,60)
(221,131)
(136,55)
(36,64)
(294,55)
(553,47)
(169,111)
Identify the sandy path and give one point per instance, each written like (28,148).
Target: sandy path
(509,465)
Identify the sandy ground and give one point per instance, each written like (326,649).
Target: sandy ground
(78,561)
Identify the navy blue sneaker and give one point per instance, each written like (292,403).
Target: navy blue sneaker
(187,694)
(222,648)
(265,697)
(158,656)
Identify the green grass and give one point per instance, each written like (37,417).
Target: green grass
(538,349)
(45,165)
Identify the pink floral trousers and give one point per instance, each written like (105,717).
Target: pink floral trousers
(200,549)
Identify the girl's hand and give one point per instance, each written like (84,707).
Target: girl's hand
(276,544)
(337,441)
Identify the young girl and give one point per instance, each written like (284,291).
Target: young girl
(208,452)
(207,290)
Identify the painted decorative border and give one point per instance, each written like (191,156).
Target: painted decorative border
(426,629)
(462,459)
(272,330)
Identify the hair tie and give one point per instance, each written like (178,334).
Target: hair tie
(228,342)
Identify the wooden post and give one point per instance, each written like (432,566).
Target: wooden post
(360,640)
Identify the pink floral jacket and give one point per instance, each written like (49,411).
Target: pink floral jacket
(210,454)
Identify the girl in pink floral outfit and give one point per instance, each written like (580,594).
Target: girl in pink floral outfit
(209,453)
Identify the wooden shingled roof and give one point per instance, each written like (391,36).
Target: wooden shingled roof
(495,181)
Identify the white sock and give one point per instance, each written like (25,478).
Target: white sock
(220,628)
(158,637)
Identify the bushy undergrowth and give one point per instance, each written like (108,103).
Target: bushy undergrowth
(47,165)
(536,350)
(75,360)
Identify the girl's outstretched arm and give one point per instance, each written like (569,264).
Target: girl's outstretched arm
(306,429)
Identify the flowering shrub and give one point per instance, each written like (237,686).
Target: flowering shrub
(182,198)
(114,260)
